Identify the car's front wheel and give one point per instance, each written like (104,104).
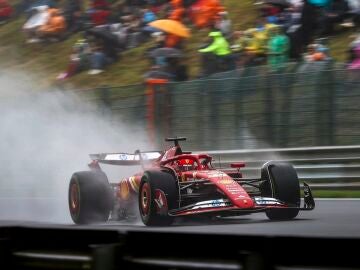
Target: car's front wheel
(282,183)
(158,194)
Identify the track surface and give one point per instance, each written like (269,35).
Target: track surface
(331,218)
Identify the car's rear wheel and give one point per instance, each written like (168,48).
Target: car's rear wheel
(90,197)
(158,194)
(281,183)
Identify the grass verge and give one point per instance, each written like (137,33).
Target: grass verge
(336,193)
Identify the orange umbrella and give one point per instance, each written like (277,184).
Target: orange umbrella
(171,27)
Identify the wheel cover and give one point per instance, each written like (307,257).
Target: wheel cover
(74,199)
(145,199)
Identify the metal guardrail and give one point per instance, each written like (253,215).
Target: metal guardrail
(330,168)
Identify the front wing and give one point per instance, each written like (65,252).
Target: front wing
(224,206)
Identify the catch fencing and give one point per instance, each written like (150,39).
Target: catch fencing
(306,114)
(302,105)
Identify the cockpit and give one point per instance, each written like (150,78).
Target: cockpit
(186,164)
(190,164)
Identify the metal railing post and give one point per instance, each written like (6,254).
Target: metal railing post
(331,109)
(105,97)
(151,107)
(268,109)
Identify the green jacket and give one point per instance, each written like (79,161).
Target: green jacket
(278,50)
(219,47)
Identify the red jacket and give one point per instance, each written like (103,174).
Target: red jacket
(5,9)
(100,17)
(100,4)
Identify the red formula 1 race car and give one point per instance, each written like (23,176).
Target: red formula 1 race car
(176,183)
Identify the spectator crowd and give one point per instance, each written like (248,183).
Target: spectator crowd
(286,30)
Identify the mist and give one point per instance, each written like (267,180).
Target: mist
(44,138)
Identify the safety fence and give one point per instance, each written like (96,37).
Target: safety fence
(313,104)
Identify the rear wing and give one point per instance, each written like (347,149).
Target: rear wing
(125,159)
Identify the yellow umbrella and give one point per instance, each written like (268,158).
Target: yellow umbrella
(171,27)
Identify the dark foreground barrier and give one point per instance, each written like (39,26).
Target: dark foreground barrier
(79,248)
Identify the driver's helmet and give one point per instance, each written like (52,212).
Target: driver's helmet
(186,164)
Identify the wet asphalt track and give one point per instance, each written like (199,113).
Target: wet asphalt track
(334,218)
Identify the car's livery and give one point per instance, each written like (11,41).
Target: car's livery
(175,183)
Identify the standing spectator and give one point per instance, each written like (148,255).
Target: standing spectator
(354,6)
(177,69)
(79,59)
(98,59)
(134,31)
(205,13)
(255,51)
(100,4)
(177,11)
(217,54)
(99,12)
(312,19)
(5,11)
(224,24)
(352,47)
(278,48)
(354,67)
(54,27)
(73,12)
(355,64)
(338,11)
(39,17)
(148,16)
(173,41)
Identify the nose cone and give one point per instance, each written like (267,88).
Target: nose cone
(246,202)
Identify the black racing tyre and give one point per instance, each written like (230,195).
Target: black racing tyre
(90,197)
(152,184)
(283,184)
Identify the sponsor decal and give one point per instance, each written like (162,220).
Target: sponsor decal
(216,203)
(123,157)
(124,191)
(237,190)
(266,201)
(240,197)
(226,181)
(211,204)
(133,157)
(161,202)
(134,184)
(217,175)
